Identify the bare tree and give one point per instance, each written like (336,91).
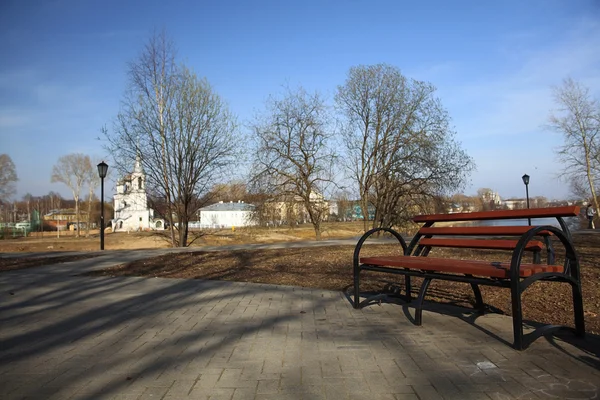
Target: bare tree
(580,188)
(27,200)
(72,170)
(465,203)
(180,128)
(578,120)
(400,149)
(485,199)
(55,200)
(231,191)
(344,204)
(292,156)
(8,177)
(92,180)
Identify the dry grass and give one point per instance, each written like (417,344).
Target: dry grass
(331,268)
(15,263)
(319,267)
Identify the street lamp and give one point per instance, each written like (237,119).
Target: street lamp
(526,182)
(102,170)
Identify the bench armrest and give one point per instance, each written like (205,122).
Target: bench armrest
(366,235)
(571,262)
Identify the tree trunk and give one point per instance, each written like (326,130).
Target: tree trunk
(77,215)
(364,207)
(317,227)
(589,173)
(593,191)
(87,226)
(183,232)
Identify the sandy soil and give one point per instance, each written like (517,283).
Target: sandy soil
(49,241)
(331,268)
(326,268)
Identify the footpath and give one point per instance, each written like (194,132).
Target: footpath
(67,336)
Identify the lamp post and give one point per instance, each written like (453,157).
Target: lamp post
(102,170)
(526,182)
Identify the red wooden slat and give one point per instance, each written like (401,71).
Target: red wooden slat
(533,245)
(473,267)
(549,212)
(479,230)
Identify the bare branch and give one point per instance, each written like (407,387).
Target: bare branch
(293,160)
(578,120)
(400,149)
(8,177)
(73,170)
(181,129)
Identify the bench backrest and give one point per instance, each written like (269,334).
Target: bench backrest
(486,237)
(548,212)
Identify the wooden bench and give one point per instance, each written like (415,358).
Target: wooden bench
(515,274)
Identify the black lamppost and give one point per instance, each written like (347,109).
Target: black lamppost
(102,170)
(526,182)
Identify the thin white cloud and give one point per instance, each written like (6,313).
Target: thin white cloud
(519,101)
(11,119)
(11,79)
(501,120)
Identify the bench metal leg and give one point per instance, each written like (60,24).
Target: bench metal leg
(479,304)
(419,305)
(517,315)
(578,310)
(550,255)
(537,257)
(356,287)
(408,288)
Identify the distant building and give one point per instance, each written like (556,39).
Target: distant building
(491,198)
(131,204)
(226,215)
(334,208)
(65,219)
(356,212)
(515,204)
(290,210)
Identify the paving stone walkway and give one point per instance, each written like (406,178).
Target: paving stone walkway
(66,336)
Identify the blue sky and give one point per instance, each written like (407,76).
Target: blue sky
(64,63)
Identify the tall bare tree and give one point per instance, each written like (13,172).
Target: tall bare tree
(183,132)
(344,204)
(578,120)
(8,177)
(54,200)
(484,197)
(92,180)
(232,191)
(72,170)
(401,151)
(292,155)
(27,198)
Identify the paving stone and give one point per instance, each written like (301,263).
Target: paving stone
(268,386)
(135,338)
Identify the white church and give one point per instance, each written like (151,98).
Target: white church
(131,204)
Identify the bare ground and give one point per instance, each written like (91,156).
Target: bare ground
(67,241)
(331,268)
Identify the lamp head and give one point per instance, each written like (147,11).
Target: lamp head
(525,179)
(102,170)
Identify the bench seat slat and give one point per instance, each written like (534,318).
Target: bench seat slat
(493,244)
(479,230)
(473,267)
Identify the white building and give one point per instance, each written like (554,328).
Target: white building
(515,204)
(225,215)
(131,204)
(491,197)
(293,210)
